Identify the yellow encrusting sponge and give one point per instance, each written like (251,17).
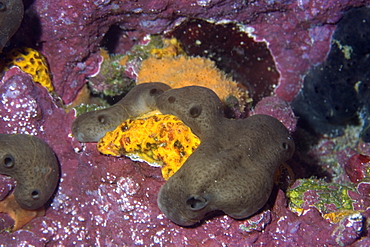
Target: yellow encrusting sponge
(32,62)
(162,140)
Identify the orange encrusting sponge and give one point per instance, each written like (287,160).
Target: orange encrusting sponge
(182,71)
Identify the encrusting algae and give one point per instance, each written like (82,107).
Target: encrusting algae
(331,199)
(31,62)
(161,140)
(117,72)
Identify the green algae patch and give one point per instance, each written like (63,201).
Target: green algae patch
(111,79)
(143,50)
(82,108)
(117,72)
(326,197)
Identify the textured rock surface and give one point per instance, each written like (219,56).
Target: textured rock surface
(278,108)
(112,201)
(298,33)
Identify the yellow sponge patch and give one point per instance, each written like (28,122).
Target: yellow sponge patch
(172,48)
(32,62)
(162,140)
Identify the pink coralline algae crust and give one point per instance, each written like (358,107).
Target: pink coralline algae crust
(6,185)
(298,33)
(345,235)
(357,168)
(276,107)
(109,201)
(25,105)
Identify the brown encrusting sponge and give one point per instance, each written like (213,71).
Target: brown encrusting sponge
(233,167)
(32,163)
(231,170)
(92,126)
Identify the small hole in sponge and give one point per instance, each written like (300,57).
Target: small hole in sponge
(101,119)
(8,161)
(171,99)
(196,203)
(2,6)
(35,194)
(195,111)
(285,146)
(153,91)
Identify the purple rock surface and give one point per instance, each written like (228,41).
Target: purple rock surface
(276,107)
(111,201)
(108,201)
(71,32)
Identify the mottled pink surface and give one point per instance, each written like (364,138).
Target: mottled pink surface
(298,32)
(276,107)
(110,201)
(357,167)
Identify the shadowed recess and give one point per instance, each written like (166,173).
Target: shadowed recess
(233,51)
